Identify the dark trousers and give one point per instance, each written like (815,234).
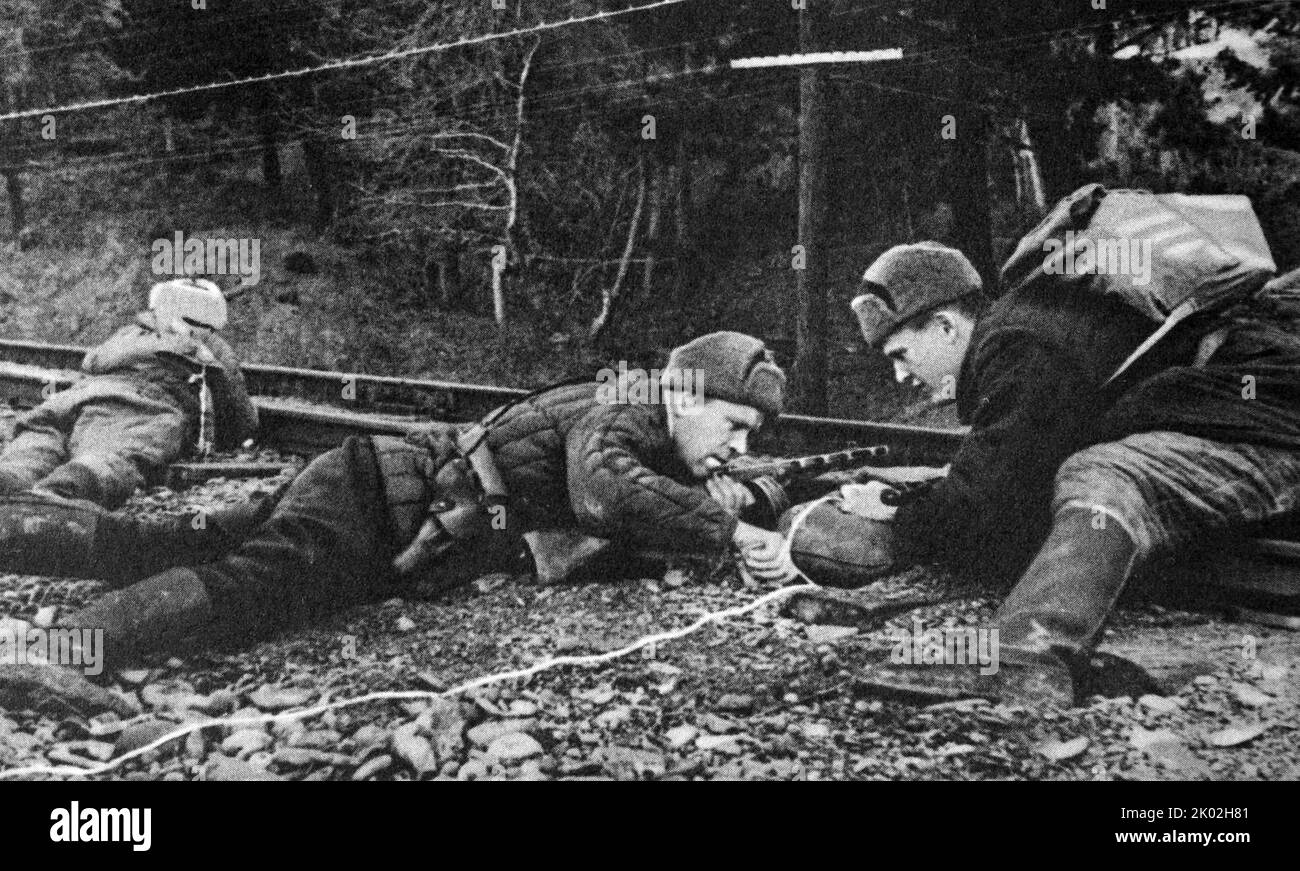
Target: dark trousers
(1119,504)
(329,544)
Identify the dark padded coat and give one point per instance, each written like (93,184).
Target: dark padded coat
(566,459)
(1031,390)
(609,469)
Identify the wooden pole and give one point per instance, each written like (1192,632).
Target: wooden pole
(812,281)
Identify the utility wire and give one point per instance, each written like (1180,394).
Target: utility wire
(547,104)
(344,63)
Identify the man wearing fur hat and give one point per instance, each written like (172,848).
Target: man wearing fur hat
(1070,480)
(381,516)
(141,405)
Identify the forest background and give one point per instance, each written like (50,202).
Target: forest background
(523,209)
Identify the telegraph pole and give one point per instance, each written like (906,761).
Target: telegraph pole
(812,281)
(810,258)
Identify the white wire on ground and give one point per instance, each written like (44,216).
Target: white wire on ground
(476,683)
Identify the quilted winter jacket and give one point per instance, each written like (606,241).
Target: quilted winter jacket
(133,351)
(611,469)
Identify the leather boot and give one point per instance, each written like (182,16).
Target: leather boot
(56,690)
(76,480)
(1069,589)
(152,614)
(1062,601)
(1046,626)
(47,535)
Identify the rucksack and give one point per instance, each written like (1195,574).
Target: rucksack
(1166,255)
(1281,297)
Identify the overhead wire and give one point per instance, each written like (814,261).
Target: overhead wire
(339,64)
(551,104)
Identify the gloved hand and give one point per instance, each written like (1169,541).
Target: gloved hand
(868,500)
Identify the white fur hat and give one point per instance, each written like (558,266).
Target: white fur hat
(195,301)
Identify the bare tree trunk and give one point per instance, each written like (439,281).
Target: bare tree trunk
(499,292)
(1108,142)
(1031,199)
(442,285)
(15,74)
(318,156)
(512,189)
(610,295)
(269,130)
(909,229)
(682,206)
(652,225)
(878,200)
(17,209)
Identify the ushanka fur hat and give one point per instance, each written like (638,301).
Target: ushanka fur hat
(908,280)
(195,301)
(735,367)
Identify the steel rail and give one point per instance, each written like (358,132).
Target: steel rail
(308,411)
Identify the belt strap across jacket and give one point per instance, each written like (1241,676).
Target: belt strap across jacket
(468,493)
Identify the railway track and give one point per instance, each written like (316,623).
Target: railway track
(306,412)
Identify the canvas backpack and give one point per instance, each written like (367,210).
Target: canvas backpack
(1166,255)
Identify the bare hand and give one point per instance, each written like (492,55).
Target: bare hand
(764,553)
(734,496)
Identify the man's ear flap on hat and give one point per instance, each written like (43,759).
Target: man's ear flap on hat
(765,378)
(672,378)
(875,318)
